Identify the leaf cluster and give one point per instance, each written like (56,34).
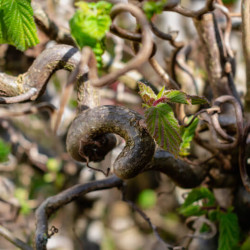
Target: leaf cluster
(89,25)
(201,201)
(151,8)
(17,26)
(161,121)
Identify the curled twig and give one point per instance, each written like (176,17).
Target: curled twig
(144,52)
(239,122)
(189,13)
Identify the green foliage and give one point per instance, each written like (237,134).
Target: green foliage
(229,231)
(147,198)
(17,26)
(53,174)
(4,151)
(187,135)
(22,196)
(160,119)
(164,127)
(246,244)
(89,25)
(151,8)
(190,207)
(229,1)
(147,94)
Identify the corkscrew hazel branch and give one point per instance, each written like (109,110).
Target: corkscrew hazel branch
(139,153)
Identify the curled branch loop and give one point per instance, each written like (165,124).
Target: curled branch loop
(82,138)
(144,52)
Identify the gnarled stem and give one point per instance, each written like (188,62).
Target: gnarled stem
(39,73)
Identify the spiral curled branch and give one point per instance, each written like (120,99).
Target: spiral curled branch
(91,124)
(83,142)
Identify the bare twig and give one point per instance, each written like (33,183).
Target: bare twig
(245,13)
(242,159)
(35,108)
(170,83)
(12,239)
(189,13)
(53,203)
(20,98)
(146,218)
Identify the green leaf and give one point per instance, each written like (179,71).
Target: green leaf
(191,210)
(177,96)
(196,100)
(163,127)
(4,151)
(203,194)
(90,24)
(146,93)
(151,8)
(17,26)
(161,93)
(53,165)
(246,244)
(147,198)
(187,135)
(229,231)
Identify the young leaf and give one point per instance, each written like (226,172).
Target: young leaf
(90,24)
(177,96)
(147,94)
(4,151)
(164,127)
(229,231)
(196,100)
(197,194)
(161,93)
(150,8)
(187,135)
(17,26)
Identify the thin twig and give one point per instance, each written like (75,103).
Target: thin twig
(245,13)
(146,218)
(53,203)
(20,98)
(12,239)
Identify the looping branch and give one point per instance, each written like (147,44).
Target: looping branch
(138,154)
(144,52)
